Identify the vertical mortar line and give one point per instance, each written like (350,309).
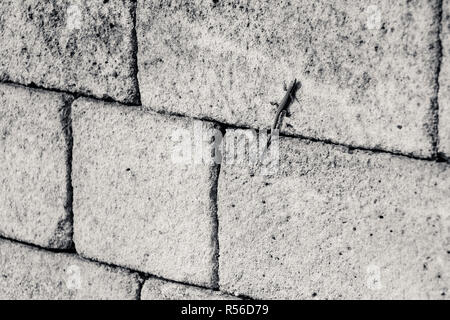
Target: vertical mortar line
(66,121)
(215,235)
(435,99)
(217,156)
(142,279)
(134,44)
(139,291)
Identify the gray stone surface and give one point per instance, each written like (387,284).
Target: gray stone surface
(334,223)
(135,207)
(33,171)
(367,68)
(79,46)
(155,289)
(444,82)
(28,273)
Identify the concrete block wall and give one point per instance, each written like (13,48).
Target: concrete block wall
(103,198)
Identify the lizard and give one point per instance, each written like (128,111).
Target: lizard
(282,108)
(281,112)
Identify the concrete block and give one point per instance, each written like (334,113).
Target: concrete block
(335,224)
(155,289)
(34,201)
(134,205)
(28,273)
(78,46)
(444,84)
(367,69)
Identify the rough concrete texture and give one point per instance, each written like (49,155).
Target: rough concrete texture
(155,289)
(367,68)
(79,46)
(29,273)
(335,223)
(34,202)
(444,82)
(133,205)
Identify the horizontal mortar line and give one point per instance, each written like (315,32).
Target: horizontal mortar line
(36,246)
(226,125)
(75,94)
(144,275)
(439,159)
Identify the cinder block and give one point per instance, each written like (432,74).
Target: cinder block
(34,146)
(335,223)
(444,84)
(29,273)
(367,69)
(78,46)
(134,205)
(155,289)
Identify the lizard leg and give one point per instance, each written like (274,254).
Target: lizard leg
(293,97)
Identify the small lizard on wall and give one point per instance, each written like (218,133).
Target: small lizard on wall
(281,113)
(283,108)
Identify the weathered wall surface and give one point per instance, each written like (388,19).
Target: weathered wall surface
(136,207)
(78,46)
(33,155)
(116,122)
(444,84)
(329,220)
(28,273)
(367,68)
